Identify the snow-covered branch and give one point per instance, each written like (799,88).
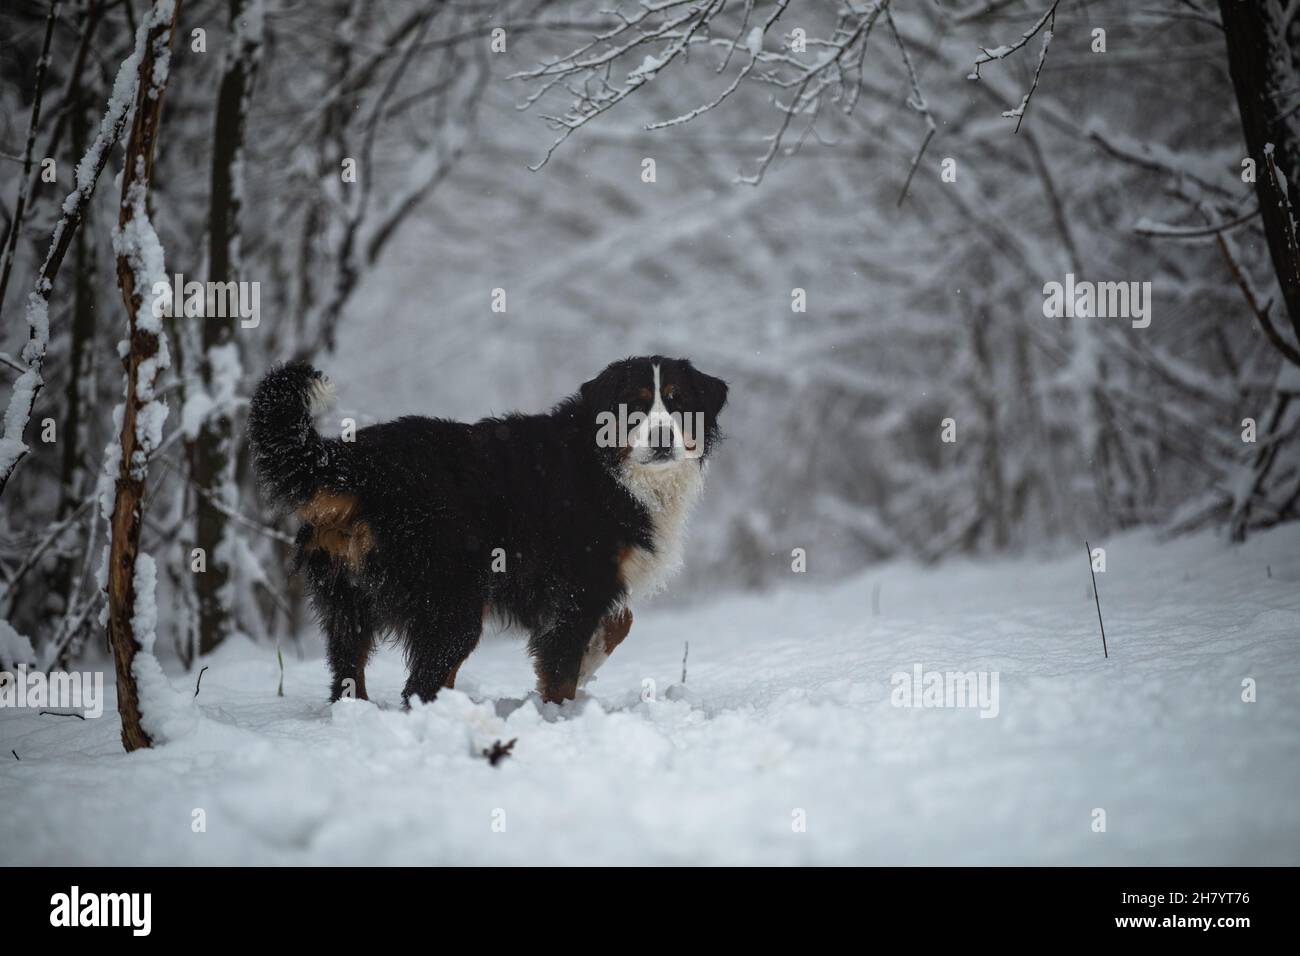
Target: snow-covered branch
(807,72)
(30,383)
(1048,19)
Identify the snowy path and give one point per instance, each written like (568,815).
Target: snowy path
(786,710)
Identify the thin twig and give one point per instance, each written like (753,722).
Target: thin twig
(1048,19)
(990,6)
(199,682)
(1002,52)
(52,534)
(916,102)
(1019,111)
(71,624)
(1096,597)
(20,205)
(1260,310)
(1152,230)
(221,506)
(1143,156)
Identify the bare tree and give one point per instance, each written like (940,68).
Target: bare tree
(1263,39)
(131,577)
(211,453)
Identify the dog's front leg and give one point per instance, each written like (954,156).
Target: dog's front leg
(611,631)
(558,655)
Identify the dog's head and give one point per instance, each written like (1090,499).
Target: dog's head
(654,412)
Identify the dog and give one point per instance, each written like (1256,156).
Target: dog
(556,523)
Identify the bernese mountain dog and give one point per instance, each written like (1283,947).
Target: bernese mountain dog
(420,528)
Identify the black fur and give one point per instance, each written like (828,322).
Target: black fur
(434,498)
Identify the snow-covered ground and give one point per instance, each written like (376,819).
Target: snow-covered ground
(782,746)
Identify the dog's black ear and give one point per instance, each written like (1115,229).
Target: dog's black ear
(599,392)
(713,392)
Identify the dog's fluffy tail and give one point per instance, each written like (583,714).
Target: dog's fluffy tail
(290,457)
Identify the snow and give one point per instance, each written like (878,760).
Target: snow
(14,647)
(166,712)
(650,65)
(786,715)
(198,405)
(119,103)
(144,622)
(106,483)
(149,423)
(19,409)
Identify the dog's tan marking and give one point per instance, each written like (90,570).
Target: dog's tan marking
(610,632)
(336,529)
(363,658)
(614,628)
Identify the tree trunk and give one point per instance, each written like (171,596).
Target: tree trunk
(1264,72)
(128,505)
(212,453)
(73,473)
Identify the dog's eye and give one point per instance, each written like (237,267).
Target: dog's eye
(670,392)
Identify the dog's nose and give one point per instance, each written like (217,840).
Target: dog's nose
(661,440)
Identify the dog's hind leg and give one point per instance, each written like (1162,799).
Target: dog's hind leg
(347,617)
(437,643)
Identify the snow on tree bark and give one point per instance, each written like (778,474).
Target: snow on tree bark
(131,576)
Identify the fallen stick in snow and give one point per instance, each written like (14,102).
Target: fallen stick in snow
(199,683)
(55,713)
(1097,598)
(499,751)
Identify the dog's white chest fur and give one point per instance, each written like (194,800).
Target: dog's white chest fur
(668,494)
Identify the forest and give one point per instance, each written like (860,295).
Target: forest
(857,212)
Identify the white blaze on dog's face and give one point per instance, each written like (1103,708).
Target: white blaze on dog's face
(661,440)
